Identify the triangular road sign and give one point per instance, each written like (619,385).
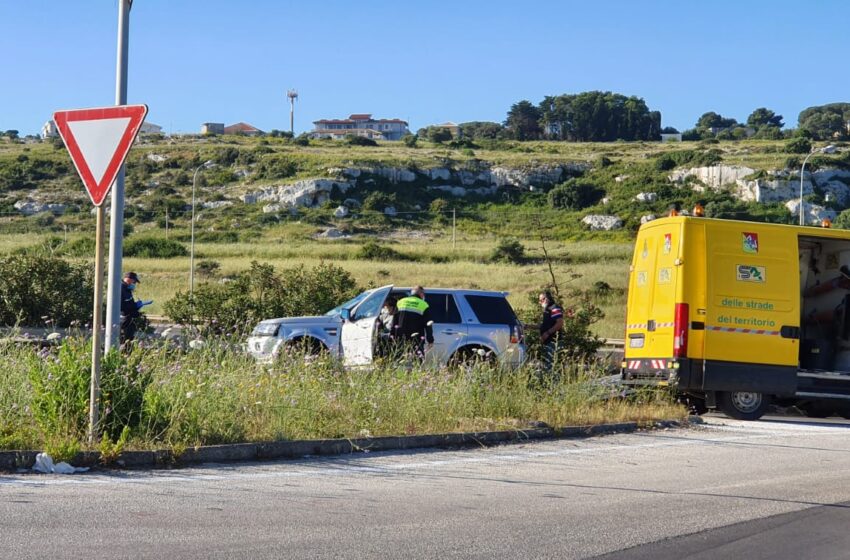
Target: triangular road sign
(98,140)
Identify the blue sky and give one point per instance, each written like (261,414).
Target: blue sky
(426,62)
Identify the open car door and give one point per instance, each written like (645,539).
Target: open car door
(359,332)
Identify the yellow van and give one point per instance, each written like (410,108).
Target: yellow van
(735,315)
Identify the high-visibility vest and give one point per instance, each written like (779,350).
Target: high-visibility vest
(412,304)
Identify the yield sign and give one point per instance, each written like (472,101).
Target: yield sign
(98,141)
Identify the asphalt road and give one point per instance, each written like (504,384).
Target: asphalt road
(770,489)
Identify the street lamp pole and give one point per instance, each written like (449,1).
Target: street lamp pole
(205,165)
(825,150)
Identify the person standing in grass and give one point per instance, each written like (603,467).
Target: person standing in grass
(129,306)
(411,326)
(551,329)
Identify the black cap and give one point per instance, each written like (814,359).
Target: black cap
(133,276)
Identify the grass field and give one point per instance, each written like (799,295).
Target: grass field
(578,265)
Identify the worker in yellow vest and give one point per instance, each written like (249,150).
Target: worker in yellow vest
(412,322)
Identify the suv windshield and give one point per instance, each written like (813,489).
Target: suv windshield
(348,304)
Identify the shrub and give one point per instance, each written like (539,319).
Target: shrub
(353,140)
(260,293)
(35,288)
(799,145)
(409,140)
(574,195)
(508,250)
(578,340)
(376,201)
(374,251)
(154,248)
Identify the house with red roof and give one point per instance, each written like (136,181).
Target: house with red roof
(360,124)
(243,128)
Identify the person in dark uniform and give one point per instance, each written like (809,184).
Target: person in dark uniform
(129,306)
(551,328)
(411,325)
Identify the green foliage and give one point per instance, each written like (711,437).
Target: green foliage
(508,250)
(154,248)
(762,117)
(577,339)
(275,167)
(599,116)
(694,158)
(260,293)
(798,146)
(208,267)
(480,130)
(575,194)
(409,140)
(38,288)
(438,134)
(374,251)
(523,121)
(714,120)
(842,220)
(376,201)
(353,140)
(826,122)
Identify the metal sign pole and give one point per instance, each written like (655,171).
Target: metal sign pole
(116,226)
(96,337)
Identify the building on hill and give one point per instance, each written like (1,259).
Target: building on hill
(452,127)
(49,130)
(671,137)
(150,128)
(212,128)
(360,124)
(243,128)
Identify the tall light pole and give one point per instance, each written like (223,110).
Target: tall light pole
(205,165)
(825,150)
(292,95)
(116,225)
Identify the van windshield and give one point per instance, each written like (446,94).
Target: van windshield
(348,304)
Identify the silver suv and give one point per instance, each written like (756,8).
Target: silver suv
(466,323)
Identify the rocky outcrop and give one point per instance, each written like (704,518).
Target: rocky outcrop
(598,222)
(647,218)
(341,212)
(31,207)
(813,213)
(216,204)
(310,192)
(646,197)
(713,177)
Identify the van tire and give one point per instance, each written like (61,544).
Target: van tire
(743,405)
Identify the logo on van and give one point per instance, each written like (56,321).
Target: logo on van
(749,273)
(751,242)
(668,243)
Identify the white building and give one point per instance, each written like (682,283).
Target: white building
(150,128)
(49,130)
(360,124)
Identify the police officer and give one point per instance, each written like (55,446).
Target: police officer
(129,306)
(412,322)
(551,327)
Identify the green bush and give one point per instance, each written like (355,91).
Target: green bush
(353,140)
(578,341)
(262,293)
(376,201)
(575,195)
(36,288)
(409,140)
(508,250)
(799,145)
(374,251)
(154,248)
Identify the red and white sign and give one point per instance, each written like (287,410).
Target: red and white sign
(98,141)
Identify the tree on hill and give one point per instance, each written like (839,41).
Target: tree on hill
(523,122)
(764,117)
(481,129)
(599,116)
(826,121)
(715,120)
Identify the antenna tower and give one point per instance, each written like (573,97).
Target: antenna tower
(292,95)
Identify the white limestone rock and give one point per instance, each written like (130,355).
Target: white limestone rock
(601,222)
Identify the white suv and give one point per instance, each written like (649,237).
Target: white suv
(466,323)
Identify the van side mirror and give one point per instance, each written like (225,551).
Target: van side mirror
(345,314)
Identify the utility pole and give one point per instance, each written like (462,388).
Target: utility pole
(454,229)
(116,224)
(292,95)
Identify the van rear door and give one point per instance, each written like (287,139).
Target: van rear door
(653,289)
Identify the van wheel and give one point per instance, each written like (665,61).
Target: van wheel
(743,405)
(816,409)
